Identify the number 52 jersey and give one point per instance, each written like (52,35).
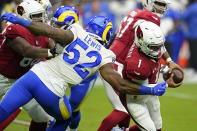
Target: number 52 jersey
(79,59)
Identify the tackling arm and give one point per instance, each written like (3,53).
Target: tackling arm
(123,86)
(62,36)
(117,82)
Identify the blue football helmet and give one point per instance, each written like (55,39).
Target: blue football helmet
(65,15)
(101,28)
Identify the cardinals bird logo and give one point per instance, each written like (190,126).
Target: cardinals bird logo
(20,10)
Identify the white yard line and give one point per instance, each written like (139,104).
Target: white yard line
(21,122)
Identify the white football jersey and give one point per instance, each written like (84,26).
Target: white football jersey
(80,59)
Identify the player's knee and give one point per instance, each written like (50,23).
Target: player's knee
(4,114)
(158,123)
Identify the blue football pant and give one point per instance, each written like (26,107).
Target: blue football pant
(30,86)
(78,95)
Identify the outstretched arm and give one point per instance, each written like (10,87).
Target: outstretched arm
(117,82)
(124,86)
(59,35)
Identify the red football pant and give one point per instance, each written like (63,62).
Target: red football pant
(7,121)
(113,119)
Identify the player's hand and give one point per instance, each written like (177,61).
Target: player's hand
(171,82)
(56,50)
(159,89)
(10,17)
(172,65)
(15,20)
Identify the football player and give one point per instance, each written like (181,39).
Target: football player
(63,18)
(142,65)
(82,57)
(153,9)
(19,50)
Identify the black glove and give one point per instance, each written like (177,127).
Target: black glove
(56,50)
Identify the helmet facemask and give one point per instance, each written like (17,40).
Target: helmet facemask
(38,17)
(159,7)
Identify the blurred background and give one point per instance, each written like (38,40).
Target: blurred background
(178,106)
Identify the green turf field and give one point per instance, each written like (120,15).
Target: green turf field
(178,108)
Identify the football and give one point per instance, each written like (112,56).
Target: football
(177,78)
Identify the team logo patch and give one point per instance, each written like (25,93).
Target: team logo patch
(20,10)
(97,31)
(139,33)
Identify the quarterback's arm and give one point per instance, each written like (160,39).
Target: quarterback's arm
(116,81)
(172,65)
(22,47)
(170,62)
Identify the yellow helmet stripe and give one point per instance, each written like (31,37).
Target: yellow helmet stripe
(62,17)
(109,26)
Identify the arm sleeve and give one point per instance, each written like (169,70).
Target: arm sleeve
(117,47)
(108,57)
(75,29)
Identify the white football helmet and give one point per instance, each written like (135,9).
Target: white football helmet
(46,4)
(149,39)
(155,6)
(29,8)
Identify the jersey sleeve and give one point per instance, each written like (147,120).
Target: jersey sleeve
(148,16)
(13,31)
(107,57)
(75,28)
(118,47)
(137,69)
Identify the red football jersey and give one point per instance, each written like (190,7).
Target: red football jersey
(138,66)
(125,36)
(13,65)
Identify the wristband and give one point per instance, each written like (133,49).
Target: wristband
(168,60)
(49,53)
(145,90)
